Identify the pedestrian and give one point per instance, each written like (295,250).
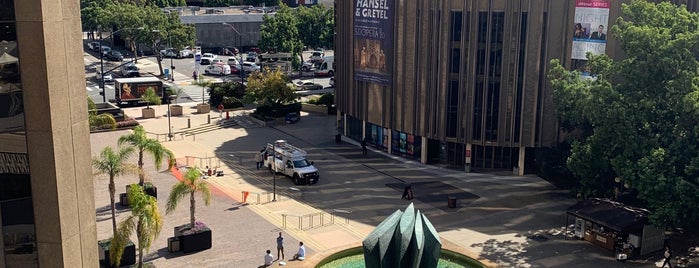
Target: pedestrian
(407,193)
(364,152)
(220,110)
(280,246)
(301,255)
(195,75)
(208,171)
(269,259)
(668,257)
(261,159)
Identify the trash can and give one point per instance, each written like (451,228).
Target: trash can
(451,202)
(124,199)
(338,138)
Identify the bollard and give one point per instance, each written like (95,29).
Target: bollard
(189,123)
(227,116)
(208,119)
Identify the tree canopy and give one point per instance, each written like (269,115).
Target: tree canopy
(635,121)
(269,87)
(279,33)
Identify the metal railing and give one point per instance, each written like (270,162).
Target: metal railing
(317,219)
(256,197)
(195,161)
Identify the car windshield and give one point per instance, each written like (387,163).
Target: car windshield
(301,163)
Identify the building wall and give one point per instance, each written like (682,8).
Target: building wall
(45,169)
(467,76)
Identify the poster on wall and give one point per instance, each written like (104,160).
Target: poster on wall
(373,41)
(590,28)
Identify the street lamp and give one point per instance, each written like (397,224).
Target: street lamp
(240,52)
(172,65)
(274,172)
(169,128)
(104,94)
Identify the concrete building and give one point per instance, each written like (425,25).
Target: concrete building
(462,83)
(46,187)
(224,27)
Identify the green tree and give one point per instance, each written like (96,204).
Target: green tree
(636,120)
(279,33)
(316,26)
(97,121)
(151,97)
(145,220)
(143,145)
(269,87)
(114,165)
(191,184)
(230,94)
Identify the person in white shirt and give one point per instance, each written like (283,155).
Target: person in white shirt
(301,255)
(269,258)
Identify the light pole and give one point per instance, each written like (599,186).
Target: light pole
(274,172)
(104,94)
(172,65)
(169,128)
(240,52)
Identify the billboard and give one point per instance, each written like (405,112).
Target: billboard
(590,28)
(373,41)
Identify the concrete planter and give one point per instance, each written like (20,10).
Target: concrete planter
(127,258)
(203,108)
(148,113)
(175,110)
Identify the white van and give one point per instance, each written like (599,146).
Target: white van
(326,67)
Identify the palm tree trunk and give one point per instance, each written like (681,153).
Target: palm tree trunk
(191,209)
(140,247)
(112,191)
(141,172)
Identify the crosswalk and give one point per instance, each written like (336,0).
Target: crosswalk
(96,88)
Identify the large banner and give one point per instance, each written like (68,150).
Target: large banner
(590,28)
(373,41)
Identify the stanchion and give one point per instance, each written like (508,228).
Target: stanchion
(208,119)
(227,116)
(189,123)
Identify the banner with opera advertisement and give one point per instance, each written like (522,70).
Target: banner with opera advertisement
(590,28)
(373,41)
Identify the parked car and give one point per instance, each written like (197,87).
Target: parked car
(105,50)
(308,65)
(292,118)
(186,53)
(317,55)
(217,61)
(207,58)
(307,85)
(108,77)
(169,53)
(250,67)
(94,46)
(332,81)
(129,70)
(233,61)
(115,55)
(218,69)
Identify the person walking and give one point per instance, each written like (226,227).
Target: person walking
(220,110)
(668,257)
(364,151)
(280,246)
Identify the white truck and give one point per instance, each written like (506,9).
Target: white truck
(290,161)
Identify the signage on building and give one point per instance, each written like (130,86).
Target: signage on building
(590,28)
(373,41)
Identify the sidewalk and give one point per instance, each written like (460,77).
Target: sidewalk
(497,225)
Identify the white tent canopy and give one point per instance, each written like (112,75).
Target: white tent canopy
(7,58)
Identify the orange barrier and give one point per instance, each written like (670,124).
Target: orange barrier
(245,196)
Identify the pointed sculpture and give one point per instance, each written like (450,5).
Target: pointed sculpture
(404,239)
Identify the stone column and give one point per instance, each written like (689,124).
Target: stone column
(53,81)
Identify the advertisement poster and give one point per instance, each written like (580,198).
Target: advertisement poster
(590,28)
(373,41)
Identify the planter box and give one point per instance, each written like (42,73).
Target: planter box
(124,199)
(149,190)
(195,242)
(127,258)
(203,108)
(148,113)
(175,110)
(173,244)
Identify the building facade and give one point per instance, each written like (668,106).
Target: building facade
(460,83)
(47,206)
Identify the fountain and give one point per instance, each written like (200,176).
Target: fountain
(403,239)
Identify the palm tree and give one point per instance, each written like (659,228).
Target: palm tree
(114,164)
(191,184)
(97,120)
(143,144)
(144,219)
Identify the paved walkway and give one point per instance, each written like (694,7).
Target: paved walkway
(510,221)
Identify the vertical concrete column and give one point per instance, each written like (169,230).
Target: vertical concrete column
(53,82)
(520,162)
(390,141)
(423,150)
